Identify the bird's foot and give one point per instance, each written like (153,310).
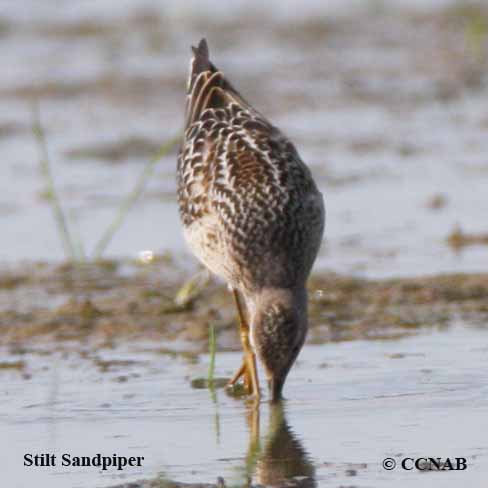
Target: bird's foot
(249,375)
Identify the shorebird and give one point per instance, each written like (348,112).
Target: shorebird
(252,214)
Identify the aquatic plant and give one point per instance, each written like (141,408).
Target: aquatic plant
(212,351)
(51,193)
(133,196)
(73,247)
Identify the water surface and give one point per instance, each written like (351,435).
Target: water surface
(387,105)
(350,405)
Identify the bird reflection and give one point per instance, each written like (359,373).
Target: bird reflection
(281,458)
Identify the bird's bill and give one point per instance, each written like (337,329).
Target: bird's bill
(276,387)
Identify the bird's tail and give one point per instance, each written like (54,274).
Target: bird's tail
(207,86)
(200,63)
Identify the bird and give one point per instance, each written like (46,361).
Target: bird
(252,214)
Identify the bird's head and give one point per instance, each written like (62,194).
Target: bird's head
(278,333)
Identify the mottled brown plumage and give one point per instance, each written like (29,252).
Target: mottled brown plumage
(251,211)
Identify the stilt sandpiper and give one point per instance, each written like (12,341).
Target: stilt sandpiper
(252,214)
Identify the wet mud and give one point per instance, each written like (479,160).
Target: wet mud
(117,301)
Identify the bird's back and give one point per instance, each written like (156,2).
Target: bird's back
(250,208)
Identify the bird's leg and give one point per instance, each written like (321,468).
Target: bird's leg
(248,368)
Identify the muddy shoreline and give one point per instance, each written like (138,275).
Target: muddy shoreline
(119,301)
(109,343)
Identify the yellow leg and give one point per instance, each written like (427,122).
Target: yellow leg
(248,368)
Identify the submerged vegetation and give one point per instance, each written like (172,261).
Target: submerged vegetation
(459,239)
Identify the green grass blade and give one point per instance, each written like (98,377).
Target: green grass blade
(132,197)
(212,349)
(59,216)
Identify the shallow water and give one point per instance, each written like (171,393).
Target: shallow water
(350,405)
(378,102)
